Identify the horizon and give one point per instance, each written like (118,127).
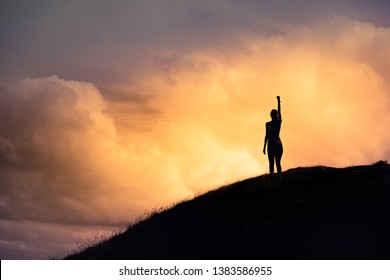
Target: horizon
(133,106)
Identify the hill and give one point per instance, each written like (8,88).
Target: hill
(314,213)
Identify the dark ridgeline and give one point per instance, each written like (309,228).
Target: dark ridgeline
(314,213)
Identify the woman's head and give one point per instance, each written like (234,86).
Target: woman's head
(274,114)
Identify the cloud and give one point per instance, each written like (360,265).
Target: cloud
(56,141)
(63,160)
(333,83)
(61,157)
(106,43)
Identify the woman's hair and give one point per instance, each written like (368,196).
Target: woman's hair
(274,114)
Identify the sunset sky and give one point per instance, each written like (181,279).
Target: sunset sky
(110,109)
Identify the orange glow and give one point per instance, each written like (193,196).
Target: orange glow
(214,107)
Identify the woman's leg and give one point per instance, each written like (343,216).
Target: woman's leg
(271,160)
(278,158)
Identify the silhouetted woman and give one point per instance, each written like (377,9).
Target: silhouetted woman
(275,147)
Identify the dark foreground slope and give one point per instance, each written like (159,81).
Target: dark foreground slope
(315,213)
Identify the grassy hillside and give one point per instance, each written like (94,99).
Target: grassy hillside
(314,213)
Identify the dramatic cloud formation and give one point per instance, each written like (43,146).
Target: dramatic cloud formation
(152,103)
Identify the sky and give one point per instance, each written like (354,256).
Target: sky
(112,109)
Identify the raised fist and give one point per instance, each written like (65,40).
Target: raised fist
(278,98)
